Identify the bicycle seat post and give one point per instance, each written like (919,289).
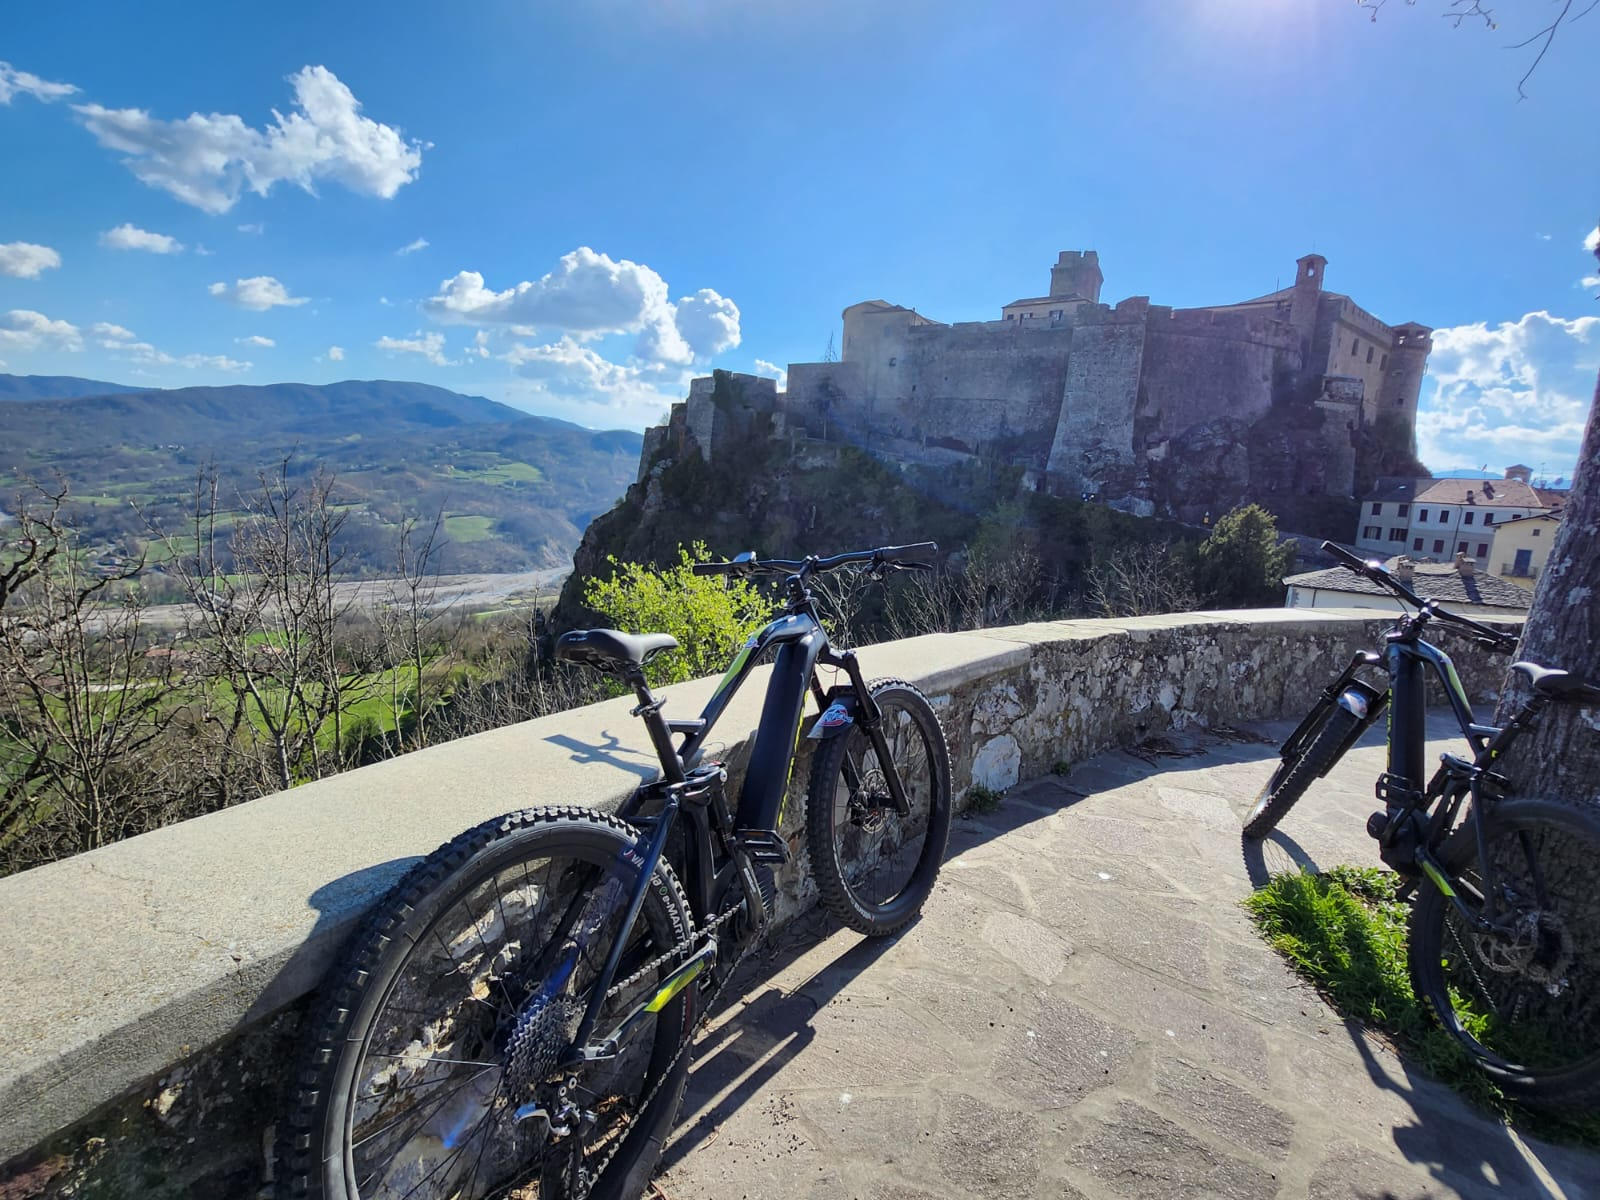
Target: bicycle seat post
(649,708)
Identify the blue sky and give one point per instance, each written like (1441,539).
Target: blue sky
(576,208)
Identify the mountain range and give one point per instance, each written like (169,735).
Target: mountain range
(515,490)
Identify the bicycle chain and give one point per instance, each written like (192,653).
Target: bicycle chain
(589,1178)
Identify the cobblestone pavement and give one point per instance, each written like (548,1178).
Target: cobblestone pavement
(1085,1011)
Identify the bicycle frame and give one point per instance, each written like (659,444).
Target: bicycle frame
(688,787)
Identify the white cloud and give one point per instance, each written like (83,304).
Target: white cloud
(1543,237)
(1589,281)
(429,345)
(24,329)
(335,353)
(202,251)
(708,322)
(255,339)
(412,247)
(25,260)
(147,355)
(13,81)
(480,343)
(385,301)
(1591,241)
(573,380)
(208,160)
(258,293)
(112,336)
(590,295)
(131,237)
(763,367)
(1516,392)
(255,228)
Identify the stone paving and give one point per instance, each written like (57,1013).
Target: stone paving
(1085,1011)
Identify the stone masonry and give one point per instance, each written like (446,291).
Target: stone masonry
(1151,408)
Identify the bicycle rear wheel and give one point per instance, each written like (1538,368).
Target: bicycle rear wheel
(1526,1007)
(874,867)
(1320,750)
(452,1006)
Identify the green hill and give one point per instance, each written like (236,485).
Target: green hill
(55,387)
(516,489)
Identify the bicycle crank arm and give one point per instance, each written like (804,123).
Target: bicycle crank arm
(611,1045)
(1441,881)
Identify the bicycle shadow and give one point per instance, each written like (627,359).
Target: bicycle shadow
(611,752)
(1273,855)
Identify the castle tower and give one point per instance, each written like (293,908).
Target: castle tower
(1308,274)
(1402,382)
(1077,273)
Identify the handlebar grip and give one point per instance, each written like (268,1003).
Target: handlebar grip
(913,552)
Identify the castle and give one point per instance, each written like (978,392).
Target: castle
(1150,408)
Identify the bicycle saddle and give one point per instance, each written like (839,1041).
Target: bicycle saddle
(1558,685)
(604,648)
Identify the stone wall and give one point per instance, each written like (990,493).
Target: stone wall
(1092,450)
(152,992)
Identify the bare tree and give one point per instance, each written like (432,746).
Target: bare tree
(268,625)
(1137,580)
(82,697)
(407,618)
(1458,12)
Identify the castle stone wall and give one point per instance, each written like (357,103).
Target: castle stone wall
(1093,445)
(1199,366)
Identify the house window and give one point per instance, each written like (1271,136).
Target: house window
(1417,544)
(1397,535)
(1483,549)
(1438,546)
(1461,547)
(1372,533)
(1467,520)
(1055,314)
(1488,518)
(1444,517)
(1369,353)
(1377,509)
(1536,532)
(1423,515)
(1403,510)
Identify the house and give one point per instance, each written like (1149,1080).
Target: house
(1457,584)
(1521,546)
(1440,518)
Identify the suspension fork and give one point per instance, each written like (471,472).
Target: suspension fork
(870,718)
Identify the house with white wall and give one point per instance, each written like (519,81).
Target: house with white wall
(1437,519)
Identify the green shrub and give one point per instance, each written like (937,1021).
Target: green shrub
(709,615)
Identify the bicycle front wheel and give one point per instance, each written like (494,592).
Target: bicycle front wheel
(874,867)
(1524,1005)
(430,1061)
(1295,773)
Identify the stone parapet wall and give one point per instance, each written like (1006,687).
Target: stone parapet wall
(152,990)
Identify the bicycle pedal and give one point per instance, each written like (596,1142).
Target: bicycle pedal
(764,846)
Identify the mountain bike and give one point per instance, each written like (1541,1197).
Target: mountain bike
(1504,934)
(514,1018)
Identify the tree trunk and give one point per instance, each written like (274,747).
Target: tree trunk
(1560,759)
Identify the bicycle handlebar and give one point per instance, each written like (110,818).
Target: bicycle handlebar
(912,557)
(1375,571)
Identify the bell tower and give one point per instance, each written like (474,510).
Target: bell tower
(1077,273)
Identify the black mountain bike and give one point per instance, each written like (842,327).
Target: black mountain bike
(514,1018)
(1505,921)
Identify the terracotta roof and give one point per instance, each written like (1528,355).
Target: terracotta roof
(1552,497)
(1512,493)
(1433,581)
(1074,298)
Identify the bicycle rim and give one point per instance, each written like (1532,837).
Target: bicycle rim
(1526,1007)
(878,851)
(433,1095)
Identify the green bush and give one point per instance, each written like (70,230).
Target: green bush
(709,615)
(1241,565)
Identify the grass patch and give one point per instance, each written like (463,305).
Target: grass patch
(1345,932)
(982,799)
(469,529)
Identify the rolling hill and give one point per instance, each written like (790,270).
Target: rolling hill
(515,489)
(55,387)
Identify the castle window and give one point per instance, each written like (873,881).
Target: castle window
(1369,353)
(1383,363)
(891,360)
(1401,340)
(1355,347)
(1399,401)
